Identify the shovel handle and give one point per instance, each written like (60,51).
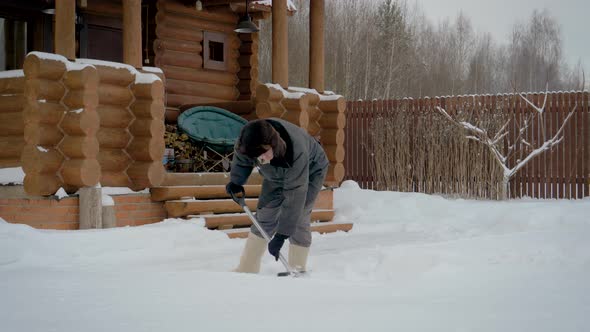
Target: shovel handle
(242,202)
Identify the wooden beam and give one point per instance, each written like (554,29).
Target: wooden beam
(132,33)
(90,202)
(181,208)
(242,219)
(280,59)
(198,192)
(65,28)
(316,45)
(199,179)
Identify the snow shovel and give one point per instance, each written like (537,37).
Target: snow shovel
(242,202)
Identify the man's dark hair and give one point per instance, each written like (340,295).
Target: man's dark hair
(257,133)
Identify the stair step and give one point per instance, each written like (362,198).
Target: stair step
(205,178)
(319,227)
(166,193)
(242,219)
(185,207)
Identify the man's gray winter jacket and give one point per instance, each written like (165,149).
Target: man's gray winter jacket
(285,179)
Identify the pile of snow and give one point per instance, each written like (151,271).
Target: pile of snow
(412,262)
(12,175)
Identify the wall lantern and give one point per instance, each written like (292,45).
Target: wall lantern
(245,25)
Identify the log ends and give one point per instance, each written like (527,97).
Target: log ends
(83,123)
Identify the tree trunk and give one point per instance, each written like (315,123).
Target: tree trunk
(505,189)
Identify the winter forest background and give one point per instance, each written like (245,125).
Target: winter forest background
(388,49)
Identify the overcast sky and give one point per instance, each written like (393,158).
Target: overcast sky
(498,17)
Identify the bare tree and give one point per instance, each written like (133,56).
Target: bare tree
(380,49)
(503,149)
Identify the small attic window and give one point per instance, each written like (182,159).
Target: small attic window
(215,50)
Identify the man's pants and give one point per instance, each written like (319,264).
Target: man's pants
(269,217)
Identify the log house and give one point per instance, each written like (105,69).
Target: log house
(89,85)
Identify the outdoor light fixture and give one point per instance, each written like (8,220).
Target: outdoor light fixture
(246,25)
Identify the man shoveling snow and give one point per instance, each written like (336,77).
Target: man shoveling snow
(294,167)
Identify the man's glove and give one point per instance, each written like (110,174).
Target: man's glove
(275,245)
(234,188)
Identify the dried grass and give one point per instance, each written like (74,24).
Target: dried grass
(417,150)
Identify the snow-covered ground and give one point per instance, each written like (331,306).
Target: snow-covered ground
(412,262)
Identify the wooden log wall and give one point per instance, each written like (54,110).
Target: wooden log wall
(79,126)
(89,122)
(321,115)
(274,102)
(115,99)
(147,145)
(179,52)
(44,91)
(12,101)
(248,74)
(332,122)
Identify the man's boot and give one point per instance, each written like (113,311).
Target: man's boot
(298,257)
(252,254)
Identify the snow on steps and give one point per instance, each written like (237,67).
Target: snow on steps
(203,195)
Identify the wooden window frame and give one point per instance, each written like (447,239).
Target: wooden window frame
(218,37)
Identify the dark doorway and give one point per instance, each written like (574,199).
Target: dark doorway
(101,38)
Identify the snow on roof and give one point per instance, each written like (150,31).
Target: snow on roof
(268,3)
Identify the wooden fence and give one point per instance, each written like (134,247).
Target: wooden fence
(562,172)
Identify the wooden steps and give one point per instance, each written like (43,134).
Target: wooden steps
(161,194)
(202,195)
(185,207)
(231,220)
(319,227)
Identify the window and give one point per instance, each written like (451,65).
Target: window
(214,50)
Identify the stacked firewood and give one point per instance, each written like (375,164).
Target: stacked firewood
(190,156)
